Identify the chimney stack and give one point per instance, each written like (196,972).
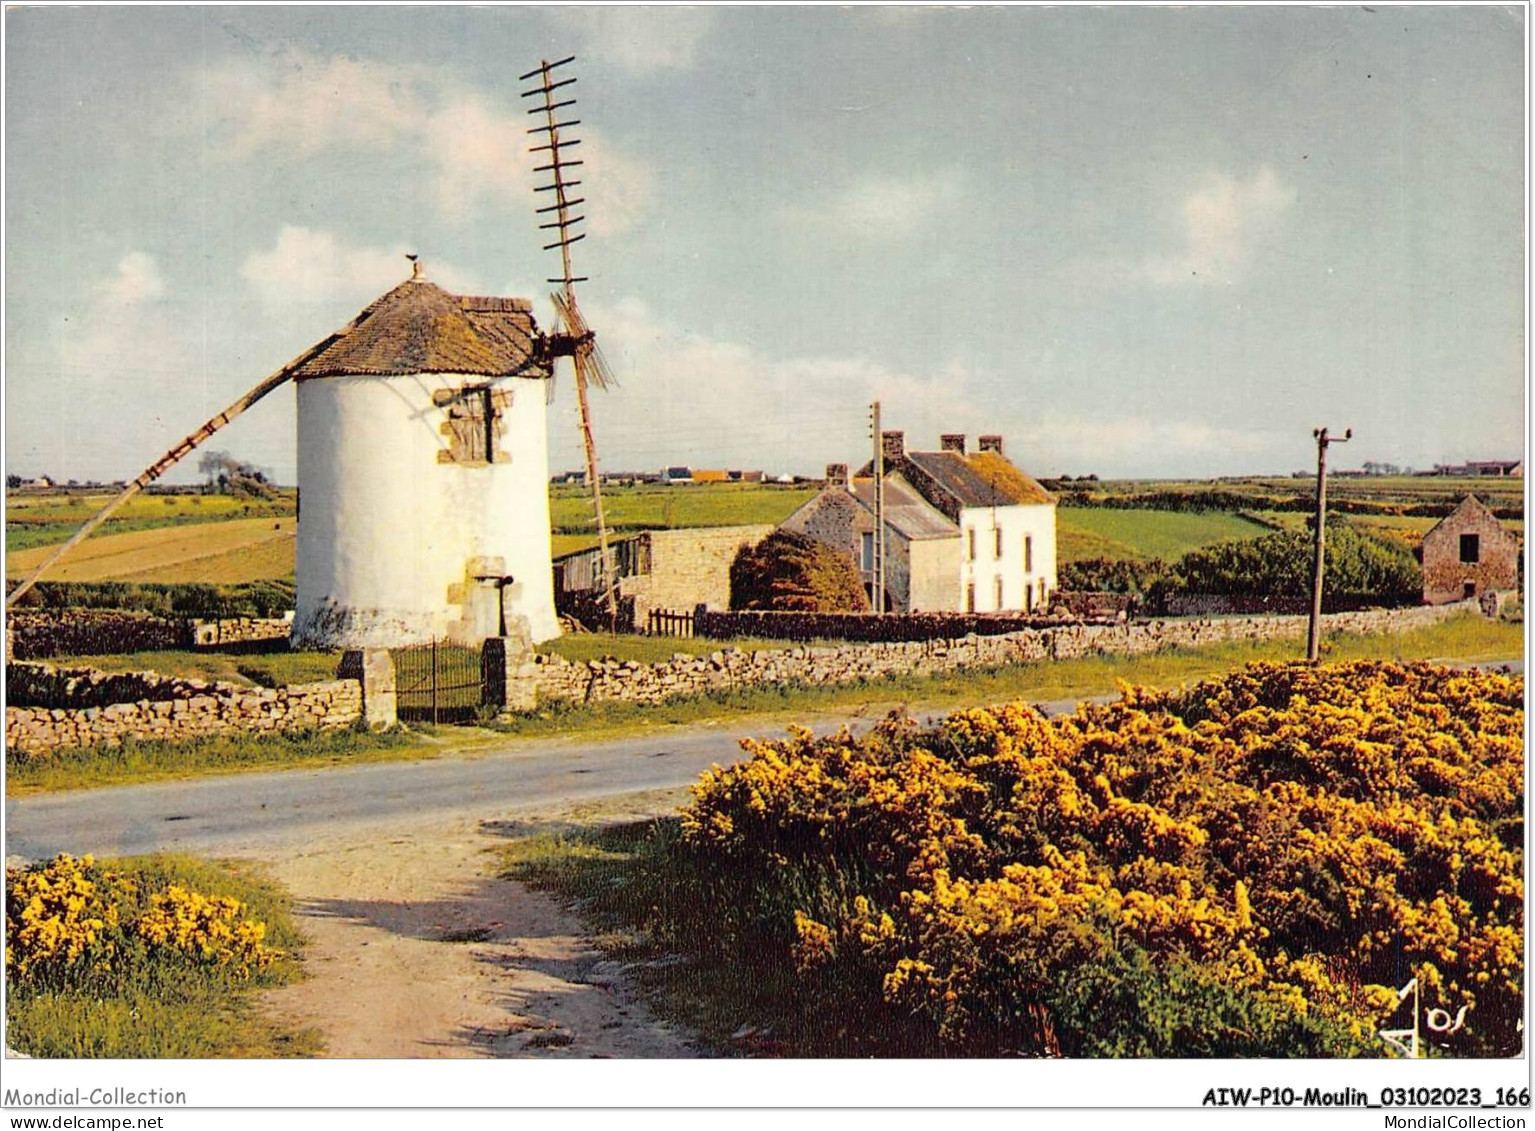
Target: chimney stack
(836,475)
(894,445)
(991,444)
(952,442)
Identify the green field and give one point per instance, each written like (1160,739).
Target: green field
(42,519)
(1397,491)
(1084,532)
(651,507)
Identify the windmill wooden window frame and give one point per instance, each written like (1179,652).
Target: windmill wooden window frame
(472,430)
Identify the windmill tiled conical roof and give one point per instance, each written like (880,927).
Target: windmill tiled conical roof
(420,328)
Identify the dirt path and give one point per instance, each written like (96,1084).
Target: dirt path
(418,950)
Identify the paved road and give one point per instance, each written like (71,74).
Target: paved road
(252,812)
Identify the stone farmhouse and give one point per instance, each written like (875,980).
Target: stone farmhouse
(922,546)
(965,531)
(1468,553)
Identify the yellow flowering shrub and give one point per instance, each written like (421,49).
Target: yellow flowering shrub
(55,914)
(70,915)
(1289,839)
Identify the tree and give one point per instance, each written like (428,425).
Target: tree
(229,476)
(787,573)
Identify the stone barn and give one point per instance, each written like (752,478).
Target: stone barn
(1468,553)
(670,570)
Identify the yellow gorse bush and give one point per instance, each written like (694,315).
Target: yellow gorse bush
(1309,836)
(54,914)
(70,913)
(207,928)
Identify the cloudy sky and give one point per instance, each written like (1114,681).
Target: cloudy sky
(1137,242)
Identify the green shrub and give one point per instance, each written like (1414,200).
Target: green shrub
(187,599)
(1357,567)
(787,573)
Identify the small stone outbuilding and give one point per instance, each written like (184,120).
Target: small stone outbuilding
(1468,553)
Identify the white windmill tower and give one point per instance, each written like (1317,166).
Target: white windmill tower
(423,475)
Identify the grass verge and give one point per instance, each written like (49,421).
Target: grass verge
(153,1004)
(86,768)
(619,880)
(277,668)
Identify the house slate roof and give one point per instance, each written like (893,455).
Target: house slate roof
(981,479)
(420,328)
(906,512)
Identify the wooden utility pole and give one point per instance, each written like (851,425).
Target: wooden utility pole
(1314,631)
(879,509)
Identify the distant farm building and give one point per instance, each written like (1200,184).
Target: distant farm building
(1006,519)
(1467,554)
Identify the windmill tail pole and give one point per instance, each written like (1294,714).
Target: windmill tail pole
(172,457)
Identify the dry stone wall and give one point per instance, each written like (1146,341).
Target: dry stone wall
(88,632)
(894,627)
(44,634)
(50,709)
(554,678)
(239,630)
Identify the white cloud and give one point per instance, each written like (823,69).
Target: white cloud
(298,104)
(880,207)
(639,39)
(137,280)
(1153,444)
(307,267)
(1222,223)
(685,397)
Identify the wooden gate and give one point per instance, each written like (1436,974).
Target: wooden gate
(437,683)
(664,622)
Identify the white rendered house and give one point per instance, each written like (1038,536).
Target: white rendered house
(1006,520)
(423,475)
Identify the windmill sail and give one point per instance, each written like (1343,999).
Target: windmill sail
(176,454)
(586,359)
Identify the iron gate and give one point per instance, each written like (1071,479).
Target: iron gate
(438,682)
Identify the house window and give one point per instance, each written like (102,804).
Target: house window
(868,551)
(998,601)
(1043,594)
(970,543)
(1028,599)
(1470,548)
(473,424)
(970,597)
(1028,553)
(997,548)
